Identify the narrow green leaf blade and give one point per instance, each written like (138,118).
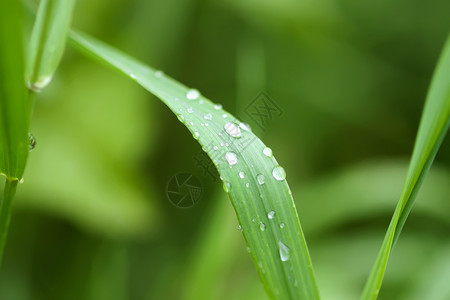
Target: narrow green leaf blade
(47,42)
(14,110)
(432,130)
(275,240)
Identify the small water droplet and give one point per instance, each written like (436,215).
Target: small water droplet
(284,251)
(190,110)
(192,94)
(196,135)
(206,124)
(260,178)
(233,130)
(21,181)
(192,123)
(248,249)
(31,142)
(227,186)
(132,75)
(281,225)
(224,116)
(242,174)
(180,117)
(247,185)
(215,148)
(231,158)
(279,173)
(218,106)
(267,152)
(200,102)
(253,220)
(240,228)
(208,117)
(159,74)
(262,226)
(244,126)
(271,214)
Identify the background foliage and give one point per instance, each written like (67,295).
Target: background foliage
(92,220)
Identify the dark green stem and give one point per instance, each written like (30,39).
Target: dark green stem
(5,212)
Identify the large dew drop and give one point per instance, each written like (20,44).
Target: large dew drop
(192,94)
(233,130)
(279,173)
(284,251)
(231,158)
(260,178)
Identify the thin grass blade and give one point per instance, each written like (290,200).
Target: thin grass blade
(432,130)
(251,175)
(48,40)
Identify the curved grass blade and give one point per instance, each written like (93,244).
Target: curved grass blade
(48,40)
(254,181)
(432,130)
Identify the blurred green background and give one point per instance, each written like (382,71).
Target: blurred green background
(92,220)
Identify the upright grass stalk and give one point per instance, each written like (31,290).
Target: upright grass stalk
(432,130)
(5,212)
(14,109)
(47,44)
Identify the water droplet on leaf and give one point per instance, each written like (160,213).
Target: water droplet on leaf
(267,152)
(279,173)
(231,158)
(227,186)
(284,251)
(31,142)
(233,130)
(242,174)
(245,127)
(271,214)
(260,178)
(192,94)
(262,226)
(208,116)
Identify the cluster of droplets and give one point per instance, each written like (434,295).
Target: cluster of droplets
(234,130)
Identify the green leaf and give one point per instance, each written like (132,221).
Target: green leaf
(432,130)
(279,252)
(47,42)
(14,109)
